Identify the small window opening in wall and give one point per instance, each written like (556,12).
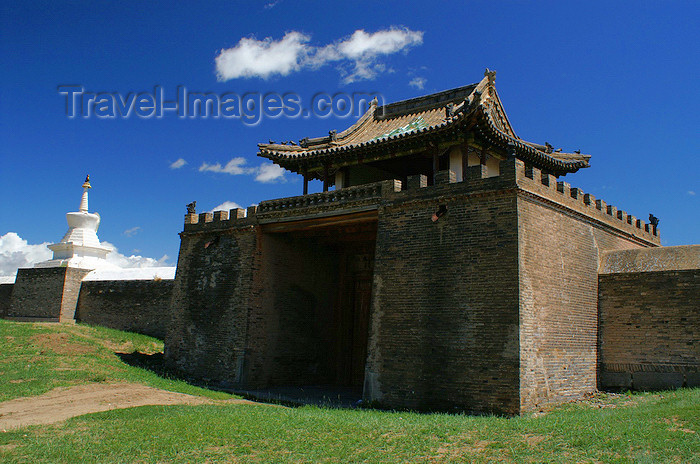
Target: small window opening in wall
(442,209)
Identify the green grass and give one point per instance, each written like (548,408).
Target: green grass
(640,428)
(36,358)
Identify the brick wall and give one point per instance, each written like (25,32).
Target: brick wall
(559,257)
(38,293)
(141,306)
(444,323)
(5,298)
(649,323)
(490,309)
(212,293)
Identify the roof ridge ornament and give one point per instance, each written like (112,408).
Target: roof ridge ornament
(84,199)
(491,76)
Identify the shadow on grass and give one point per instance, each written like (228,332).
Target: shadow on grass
(155,363)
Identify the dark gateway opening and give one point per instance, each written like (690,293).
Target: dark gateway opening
(318,287)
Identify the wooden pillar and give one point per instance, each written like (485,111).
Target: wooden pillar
(465,161)
(325,177)
(436,164)
(482,158)
(306,180)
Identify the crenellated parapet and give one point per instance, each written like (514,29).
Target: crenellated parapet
(514,174)
(236,217)
(545,186)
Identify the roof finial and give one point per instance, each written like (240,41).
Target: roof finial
(491,75)
(84,200)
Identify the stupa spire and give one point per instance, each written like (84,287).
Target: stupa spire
(84,199)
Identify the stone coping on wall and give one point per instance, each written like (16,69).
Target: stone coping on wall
(674,258)
(513,174)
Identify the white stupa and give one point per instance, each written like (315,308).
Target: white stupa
(80,247)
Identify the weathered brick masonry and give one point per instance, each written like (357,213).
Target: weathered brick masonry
(141,306)
(211,296)
(491,308)
(46,293)
(649,305)
(5,298)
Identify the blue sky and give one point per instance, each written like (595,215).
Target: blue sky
(617,80)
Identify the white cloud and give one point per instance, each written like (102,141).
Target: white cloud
(262,58)
(691,192)
(131,232)
(133,261)
(361,51)
(178,164)
(418,82)
(226,206)
(15,252)
(269,173)
(233,167)
(265,173)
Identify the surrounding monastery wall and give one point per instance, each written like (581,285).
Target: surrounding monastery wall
(46,293)
(5,298)
(649,307)
(141,306)
(561,240)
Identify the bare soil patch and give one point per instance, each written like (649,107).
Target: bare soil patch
(59,343)
(66,402)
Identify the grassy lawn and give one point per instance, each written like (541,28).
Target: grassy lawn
(640,428)
(36,358)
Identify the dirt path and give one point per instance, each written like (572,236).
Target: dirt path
(66,402)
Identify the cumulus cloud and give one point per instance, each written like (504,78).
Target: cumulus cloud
(178,164)
(262,58)
(357,55)
(265,173)
(269,173)
(225,206)
(133,261)
(131,232)
(16,252)
(233,167)
(418,82)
